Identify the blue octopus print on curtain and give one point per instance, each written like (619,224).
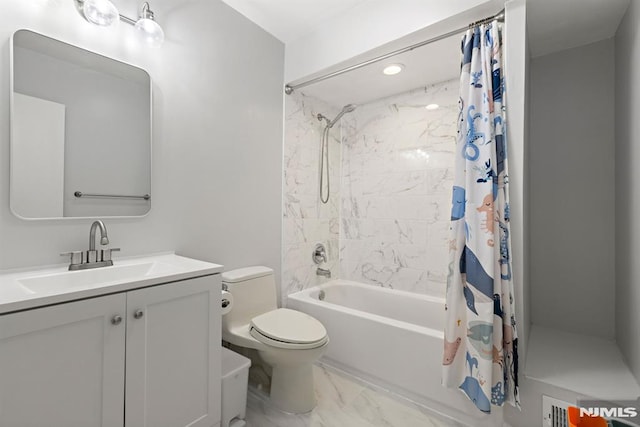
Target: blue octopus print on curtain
(481,355)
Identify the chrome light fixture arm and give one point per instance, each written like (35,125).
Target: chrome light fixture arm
(146,13)
(104,13)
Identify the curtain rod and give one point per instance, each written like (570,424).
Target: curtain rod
(288,89)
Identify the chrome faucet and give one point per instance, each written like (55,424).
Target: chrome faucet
(325,272)
(319,255)
(92,258)
(104,239)
(92,253)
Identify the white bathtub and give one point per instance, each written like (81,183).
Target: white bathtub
(391,338)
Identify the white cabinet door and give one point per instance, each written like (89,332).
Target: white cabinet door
(63,366)
(173,354)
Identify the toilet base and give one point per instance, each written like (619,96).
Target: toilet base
(292,377)
(292,388)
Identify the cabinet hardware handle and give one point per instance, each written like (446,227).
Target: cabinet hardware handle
(138,314)
(116,320)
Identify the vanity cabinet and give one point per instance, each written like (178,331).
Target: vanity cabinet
(63,366)
(142,358)
(173,361)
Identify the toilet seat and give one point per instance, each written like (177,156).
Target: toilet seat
(289,329)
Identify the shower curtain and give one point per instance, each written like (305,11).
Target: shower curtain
(480,349)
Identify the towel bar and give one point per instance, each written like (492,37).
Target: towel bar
(110,196)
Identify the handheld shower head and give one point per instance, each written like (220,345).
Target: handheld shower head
(324,150)
(349,108)
(346,109)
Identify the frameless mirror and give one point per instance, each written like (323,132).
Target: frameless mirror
(80,132)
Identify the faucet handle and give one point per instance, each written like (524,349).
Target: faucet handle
(319,254)
(106,253)
(75,257)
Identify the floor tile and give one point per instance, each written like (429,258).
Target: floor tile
(344,402)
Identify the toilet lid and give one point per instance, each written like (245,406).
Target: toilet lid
(289,326)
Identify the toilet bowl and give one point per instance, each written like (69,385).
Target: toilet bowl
(287,340)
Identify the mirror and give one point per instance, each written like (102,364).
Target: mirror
(80,132)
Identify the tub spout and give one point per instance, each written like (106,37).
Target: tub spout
(323,272)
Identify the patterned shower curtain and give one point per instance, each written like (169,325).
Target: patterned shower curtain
(480,348)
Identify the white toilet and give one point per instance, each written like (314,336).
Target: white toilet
(289,341)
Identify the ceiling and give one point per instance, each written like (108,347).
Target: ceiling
(556,25)
(552,25)
(289,20)
(433,63)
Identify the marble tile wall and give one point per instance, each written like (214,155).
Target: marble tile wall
(397,175)
(306,220)
(391,173)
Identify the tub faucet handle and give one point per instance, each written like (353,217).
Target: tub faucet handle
(319,254)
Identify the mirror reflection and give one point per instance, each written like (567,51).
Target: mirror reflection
(80,132)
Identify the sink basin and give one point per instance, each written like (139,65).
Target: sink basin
(28,289)
(70,280)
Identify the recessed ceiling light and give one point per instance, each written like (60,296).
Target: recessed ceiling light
(432,107)
(392,69)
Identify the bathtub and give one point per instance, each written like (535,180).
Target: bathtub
(392,339)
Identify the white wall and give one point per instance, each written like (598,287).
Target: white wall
(217,149)
(627,182)
(516,51)
(516,56)
(572,190)
(375,23)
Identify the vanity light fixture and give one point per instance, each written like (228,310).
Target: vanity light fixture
(393,69)
(147,27)
(104,13)
(100,12)
(432,107)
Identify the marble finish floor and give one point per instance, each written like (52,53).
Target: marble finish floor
(344,402)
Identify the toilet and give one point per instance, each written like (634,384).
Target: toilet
(287,340)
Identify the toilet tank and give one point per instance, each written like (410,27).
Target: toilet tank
(254,293)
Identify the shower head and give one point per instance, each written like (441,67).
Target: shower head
(346,109)
(349,108)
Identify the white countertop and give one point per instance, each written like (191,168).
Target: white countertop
(25,289)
